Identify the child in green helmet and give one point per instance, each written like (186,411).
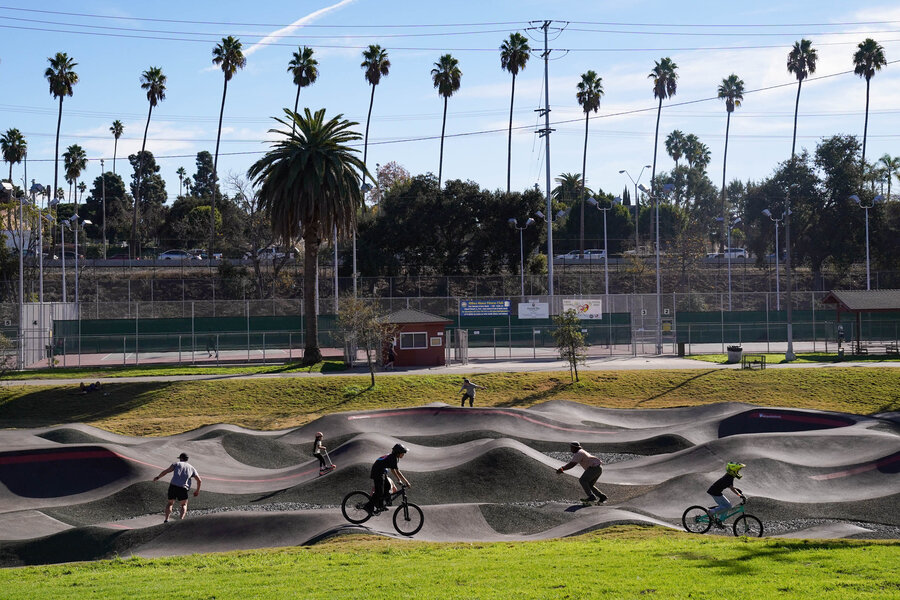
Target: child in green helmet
(732,471)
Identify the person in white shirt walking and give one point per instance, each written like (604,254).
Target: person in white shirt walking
(182,472)
(592,466)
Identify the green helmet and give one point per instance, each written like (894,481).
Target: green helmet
(734,469)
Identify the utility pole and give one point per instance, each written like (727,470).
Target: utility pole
(545,133)
(103,183)
(789,354)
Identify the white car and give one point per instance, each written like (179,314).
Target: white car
(735,253)
(177,255)
(271,253)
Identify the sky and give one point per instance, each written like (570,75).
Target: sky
(114,42)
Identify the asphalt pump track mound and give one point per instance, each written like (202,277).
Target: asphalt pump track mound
(75,492)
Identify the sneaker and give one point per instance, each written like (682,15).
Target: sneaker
(588,500)
(602,499)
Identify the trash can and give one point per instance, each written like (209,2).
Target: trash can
(734,354)
(681,349)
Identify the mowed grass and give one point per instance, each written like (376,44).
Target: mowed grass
(89,374)
(621,562)
(165,408)
(808,357)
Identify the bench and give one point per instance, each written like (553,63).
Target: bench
(889,348)
(753,361)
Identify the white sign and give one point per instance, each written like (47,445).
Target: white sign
(585,308)
(534,310)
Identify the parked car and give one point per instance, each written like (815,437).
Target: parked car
(271,253)
(574,257)
(177,255)
(735,253)
(201,253)
(714,255)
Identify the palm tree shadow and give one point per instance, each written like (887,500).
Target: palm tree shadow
(675,387)
(537,397)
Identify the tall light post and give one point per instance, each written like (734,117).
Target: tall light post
(550,221)
(605,209)
(769,214)
(866,207)
(103,184)
(36,189)
(637,204)
(666,188)
(728,229)
(73,223)
(515,225)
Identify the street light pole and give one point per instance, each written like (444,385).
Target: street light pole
(729,226)
(637,204)
(103,184)
(768,213)
(865,207)
(593,202)
(666,188)
(515,224)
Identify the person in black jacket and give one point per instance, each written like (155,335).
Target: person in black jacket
(379,475)
(732,471)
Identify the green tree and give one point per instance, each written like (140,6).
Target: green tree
(675,145)
(117,130)
(304,69)
(514,55)
(62,78)
(14,147)
(570,341)
(590,90)
(117,208)
(152,194)
(569,186)
(376,65)
(229,56)
(204,182)
(154,82)
(181,175)
(731,90)
(891,166)
(309,185)
(74,162)
(446,78)
(868,58)
(363,326)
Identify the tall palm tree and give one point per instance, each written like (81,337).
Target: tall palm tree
(514,54)
(82,188)
(377,65)
(866,60)
(569,186)
(731,90)
(13,147)
(590,90)
(74,162)
(181,175)
(675,145)
(229,56)
(154,82)
(892,169)
(446,76)
(665,84)
(117,130)
(62,78)
(305,70)
(801,63)
(309,186)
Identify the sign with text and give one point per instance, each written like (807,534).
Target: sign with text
(484,308)
(585,308)
(534,310)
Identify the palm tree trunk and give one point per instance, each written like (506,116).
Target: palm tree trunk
(368,119)
(653,170)
(311,354)
(443,127)
(724,194)
(584,182)
(796,107)
(137,190)
(212,212)
(866,125)
(512,98)
(115,148)
(56,162)
(296,104)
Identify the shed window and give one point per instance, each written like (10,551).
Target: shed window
(415,340)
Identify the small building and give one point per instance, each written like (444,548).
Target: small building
(420,341)
(885,303)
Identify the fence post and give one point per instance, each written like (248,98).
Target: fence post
(290,346)
(124,350)
(137,310)
(217,349)
(179,349)
(193,334)
(264,346)
(247,308)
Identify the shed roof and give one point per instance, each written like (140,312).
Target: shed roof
(864,300)
(410,315)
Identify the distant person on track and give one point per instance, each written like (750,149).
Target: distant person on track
(716,490)
(468,389)
(379,475)
(319,452)
(592,466)
(391,357)
(183,472)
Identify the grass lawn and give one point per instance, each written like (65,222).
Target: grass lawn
(620,562)
(91,373)
(165,408)
(808,357)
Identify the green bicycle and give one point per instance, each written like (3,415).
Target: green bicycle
(696,519)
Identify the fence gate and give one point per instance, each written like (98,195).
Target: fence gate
(458,346)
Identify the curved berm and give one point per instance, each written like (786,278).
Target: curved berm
(79,493)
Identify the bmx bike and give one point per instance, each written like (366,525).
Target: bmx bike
(408,518)
(696,519)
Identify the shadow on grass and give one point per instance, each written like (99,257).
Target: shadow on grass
(550,393)
(675,387)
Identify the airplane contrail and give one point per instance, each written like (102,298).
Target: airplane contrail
(295,25)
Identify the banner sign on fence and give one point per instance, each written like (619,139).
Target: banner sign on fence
(585,308)
(484,308)
(534,310)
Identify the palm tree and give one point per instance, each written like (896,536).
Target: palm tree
(13,147)
(514,54)
(181,175)
(377,65)
(62,79)
(74,162)
(590,90)
(569,186)
(117,130)
(866,60)
(675,145)
(665,84)
(305,70)
(228,55)
(309,186)
(802,63)
(892,169)
(731,90)
(154,82)
(446,76)
(81,187)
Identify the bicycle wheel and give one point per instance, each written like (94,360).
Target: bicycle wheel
(696,520)
(408,519)
(748,525)
(356,507)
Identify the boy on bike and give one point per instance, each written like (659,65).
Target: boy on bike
(592,466)
(732,471)
(379,475)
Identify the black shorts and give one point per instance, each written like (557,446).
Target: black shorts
(177,493)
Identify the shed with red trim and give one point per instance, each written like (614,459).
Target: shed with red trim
(420,341)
